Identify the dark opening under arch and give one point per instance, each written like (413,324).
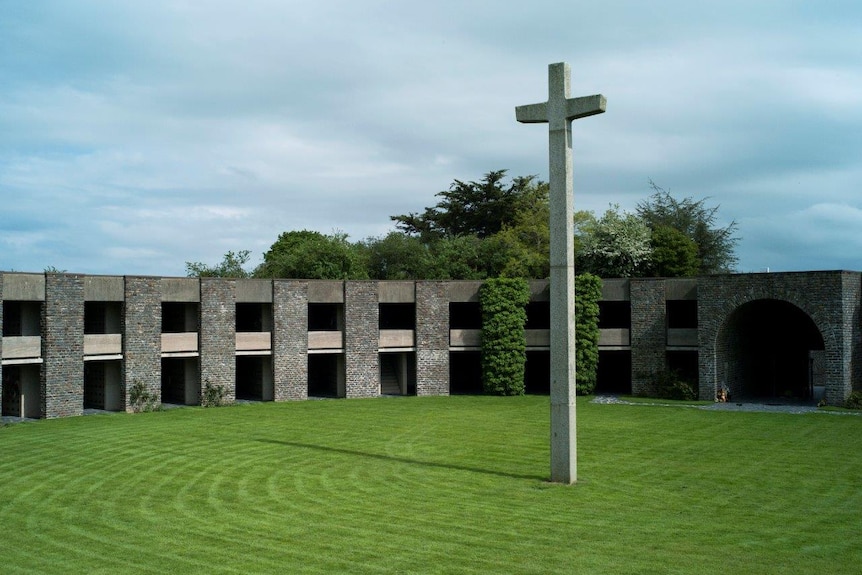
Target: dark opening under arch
(765,351)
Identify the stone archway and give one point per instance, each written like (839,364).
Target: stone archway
(766,349)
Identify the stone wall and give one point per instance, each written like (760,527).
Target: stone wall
(831,299)
(361,338)
(827,301)
(432,338)
(290,339)
(142,344)
(648,333)
(62,382)
(218,335)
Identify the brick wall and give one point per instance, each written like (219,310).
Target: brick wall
(361,338)
(830,299)
(290,339)
(432,338)
(62,383)
(218,334)
(142,328)
(648,333)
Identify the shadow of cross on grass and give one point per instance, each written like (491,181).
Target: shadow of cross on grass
(396,459)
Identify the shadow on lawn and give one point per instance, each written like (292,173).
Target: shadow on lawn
(406,460)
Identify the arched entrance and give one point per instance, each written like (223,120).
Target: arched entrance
(767,349)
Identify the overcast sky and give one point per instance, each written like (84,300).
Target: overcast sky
(136,136)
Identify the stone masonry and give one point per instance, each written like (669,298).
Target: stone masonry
(361,328)
(432,338)
(737,328)
(647,332)
(62,383)
(142,337)
(290,339)
(830,299)
(218,335)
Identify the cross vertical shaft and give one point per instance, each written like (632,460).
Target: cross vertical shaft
(558,112)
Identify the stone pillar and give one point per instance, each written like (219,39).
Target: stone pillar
(218,334)
(432,338)
(361,339)
(648,333)
(850,376)
(142,333)
(290,339)
(63,346)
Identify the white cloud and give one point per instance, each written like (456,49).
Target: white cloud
(163,132)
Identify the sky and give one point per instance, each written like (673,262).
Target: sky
(138,136)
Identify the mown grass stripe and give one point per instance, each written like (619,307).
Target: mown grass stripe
(448,485)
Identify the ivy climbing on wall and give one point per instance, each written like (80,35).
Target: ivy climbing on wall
(504,345)
(588,292)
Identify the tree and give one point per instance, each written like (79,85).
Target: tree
(473,208)
(459,258)
(617,245)
(674,254)
(522,249)
(311,255)
(231,266)
(715,245)
(397,256)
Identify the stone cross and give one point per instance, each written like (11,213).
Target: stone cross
(558,112)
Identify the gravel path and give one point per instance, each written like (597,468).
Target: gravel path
(729,406)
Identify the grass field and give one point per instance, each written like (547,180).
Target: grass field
(430,485)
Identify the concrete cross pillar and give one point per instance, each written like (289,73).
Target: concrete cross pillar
(559,112)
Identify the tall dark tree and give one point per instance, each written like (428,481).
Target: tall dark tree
(480,209)
(716,244)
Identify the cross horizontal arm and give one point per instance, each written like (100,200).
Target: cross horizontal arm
(532,113)
(585,106)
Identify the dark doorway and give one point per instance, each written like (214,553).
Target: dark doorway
(537,372)
(181,381)
(325,375)
(398,373)
(614,373)
(465,372)
(764,351)
(254,378)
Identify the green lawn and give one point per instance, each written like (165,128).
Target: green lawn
(430,485)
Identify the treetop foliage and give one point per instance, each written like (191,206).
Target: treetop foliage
(311,255)
(479,209)
(496,227)
(693,218)
(231,266)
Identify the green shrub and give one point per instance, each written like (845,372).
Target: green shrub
(213,395)
(504,345)
(854,400)
(141,398)
(669,385)
(588,292)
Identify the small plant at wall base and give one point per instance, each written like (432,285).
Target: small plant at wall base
(854,400)
(588,292)
(213,395)
(141,398)
(670,385)
(504,344)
